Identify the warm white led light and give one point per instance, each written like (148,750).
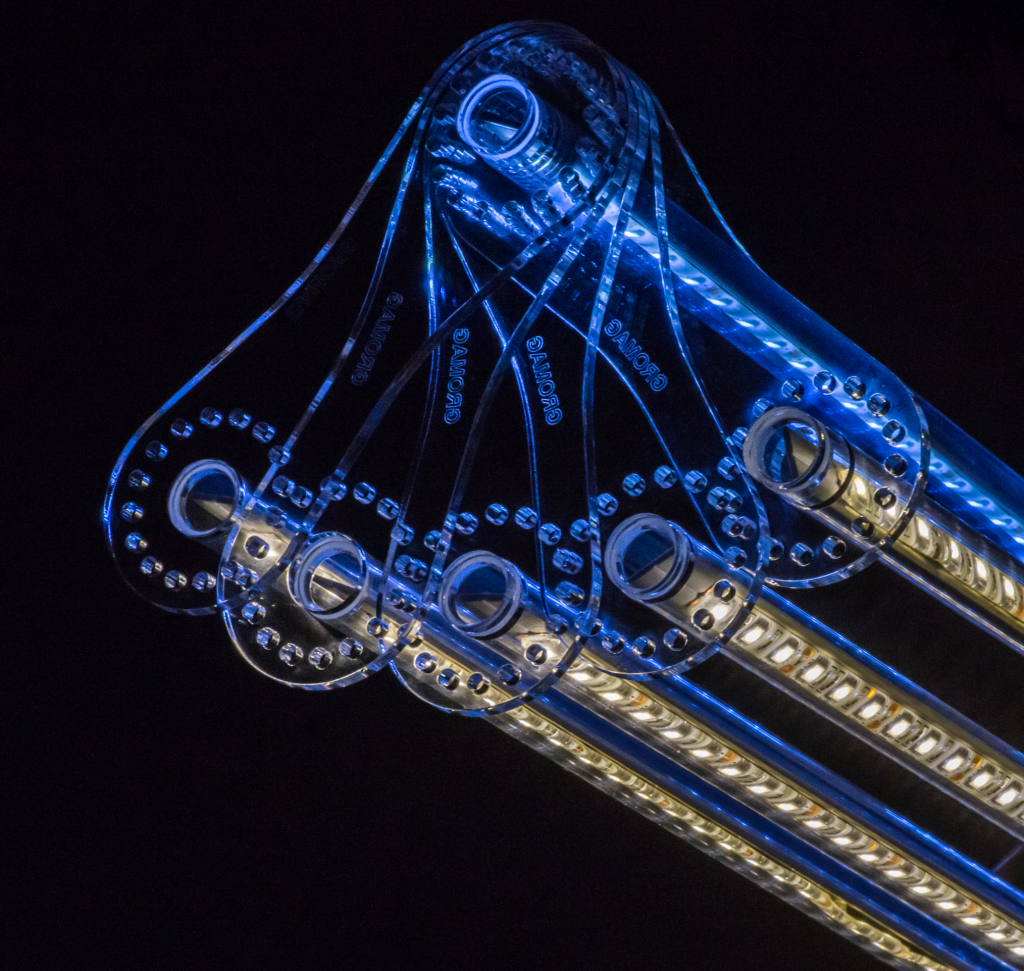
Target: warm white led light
(952,764)
(1017,950)
(971,920)
(754,634)
(1007,587)
(923,748)
(996,935)
(922,528)
(981,780)
(759,789)
(612,695)
(923,888)
(841,692)
(954,550)
(813,823)
(1005,798)
(897,728)
(896,874)
(580,676)
(782,654)
(729,770)
(702,753)
(868,857)
(719,611)
(787,807)
(981,569)
(944,904)
(642,716)
(869,711)
(842,841)
(812,673)
(858,484)
(672,733)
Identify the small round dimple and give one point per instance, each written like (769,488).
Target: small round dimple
(203,581)
(466,523)
(268,638)
(893,432)
(557,625)
(151,566)
(580,530)
(801,554)
(879,405)
(320,658)
(633,484)
(131,512)
(739,436)
(301,497)
(376,627)
(364,493)
(567,561)
(388,508)
(239,419)
(526,517)
(135,542)
(333,489)
(351,648)
(291,654)
(674,639)
(536,654)
(402,534)
(570,594)
(834,547)
(477,683)
(509,674)
(279,455)
(432,540)
(896,465)
(257,547)
(211,417)
(665,477)
(263,432)
(695,481)
(854,387)
(156,451)
(139,480)
(703,619)
(613,642)
(884,498)
(607,504)
(775,549)
(735,557)
(175,580)
(761,406)
(496,514)
(549,534)
(739,527)
(793,389)
(724,590)
(282,486)
(643,646)
(862,526)
(254,613)
(825,382)
(275,517)
(728,468)
(181,428)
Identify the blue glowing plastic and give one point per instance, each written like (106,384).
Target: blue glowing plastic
(530,327)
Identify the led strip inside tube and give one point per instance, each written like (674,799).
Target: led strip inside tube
(530,726)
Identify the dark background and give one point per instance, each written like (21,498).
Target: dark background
(164,805)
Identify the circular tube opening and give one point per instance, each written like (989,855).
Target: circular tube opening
(204,497)
(788,451)
(481,595)
(499,117)
(648,558)
(331,577)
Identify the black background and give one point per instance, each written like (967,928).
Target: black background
(164,805)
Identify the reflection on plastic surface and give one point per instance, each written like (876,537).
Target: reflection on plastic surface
(537,434)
